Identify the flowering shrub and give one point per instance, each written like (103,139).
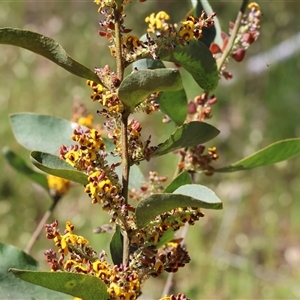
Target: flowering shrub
(145,214)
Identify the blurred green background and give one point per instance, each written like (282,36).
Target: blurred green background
(251,249)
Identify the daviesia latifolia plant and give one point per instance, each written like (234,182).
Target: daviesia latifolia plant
(144,213)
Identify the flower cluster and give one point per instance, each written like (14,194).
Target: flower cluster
(106,94)
(200,108)
(171,220)
(157,22)
(149,105)
(153,257)
(247,34)
(103,183)
(191,27)
(86,156)
(194,159)
(167,36)
(76,256)
(168,258)
(67,243)
(130,43)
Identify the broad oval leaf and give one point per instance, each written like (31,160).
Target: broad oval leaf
(187,135)
(20,166)
(13,288)
(272,154)
(78,285)
(116,246)
(182,179)
(46,47)
(174,104)
(197,59)
(140,84)
(53,165)
(193,195)
(41,132)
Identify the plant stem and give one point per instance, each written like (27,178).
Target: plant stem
(40,227)
(118,37)
(234,33)
(125,180)
(124,123)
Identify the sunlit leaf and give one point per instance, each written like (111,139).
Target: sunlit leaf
(46,47)
(197,59)
(53,165)
(172,103)
(12,288)
(140,84)
(274,153)
(116,246)
(189,195)
(20,166)
(182,179)
(41,132)
(78,285)
(187,135)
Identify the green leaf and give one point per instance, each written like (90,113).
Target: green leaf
(174,104)
(53,165)
(78,285)
(210,34)
(197,59)
(116,246)
(189,195)
(12,288)
(20,166)
(136,177)
(182,179)
(46,47)
(167,237)
(272,154)
(41,132)
(148,63)
(187,135)
(140,84)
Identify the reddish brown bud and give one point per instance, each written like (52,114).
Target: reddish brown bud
(248,38)
(213,100)
(214,48)
(239,55)
(192,108)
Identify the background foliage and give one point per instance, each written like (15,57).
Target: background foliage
(250,249)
